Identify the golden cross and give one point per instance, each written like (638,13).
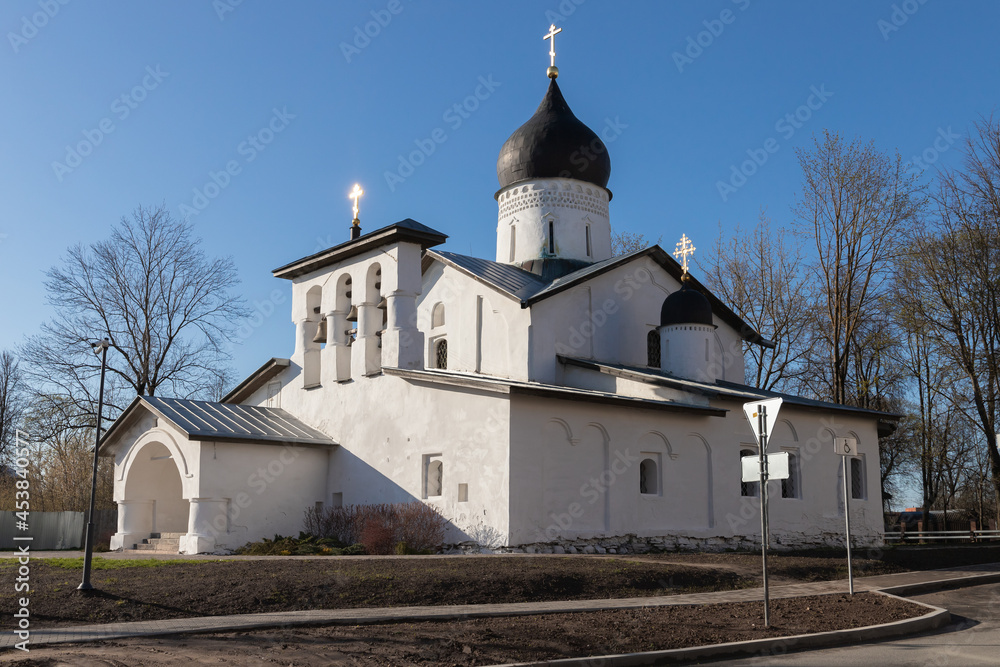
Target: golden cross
(355,195)
(684,249)
(553,31)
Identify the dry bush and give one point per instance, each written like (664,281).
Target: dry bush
(383,529)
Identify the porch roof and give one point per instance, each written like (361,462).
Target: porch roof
(207,420)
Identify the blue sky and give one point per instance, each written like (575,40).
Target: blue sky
(688,90)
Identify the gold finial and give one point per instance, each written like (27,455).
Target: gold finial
(683,251)
(355,195)
(553,71)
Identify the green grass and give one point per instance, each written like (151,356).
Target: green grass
(106,563)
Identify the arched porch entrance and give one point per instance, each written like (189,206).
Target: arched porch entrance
(152,500)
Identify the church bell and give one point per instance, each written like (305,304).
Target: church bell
(320,336)
(352,316)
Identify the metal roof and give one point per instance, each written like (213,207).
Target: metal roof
(206,420)
(514,280)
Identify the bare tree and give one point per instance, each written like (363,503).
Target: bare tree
(165,306)
(12,403)
(858,205)
(761,277)
(625,242)
(951,282)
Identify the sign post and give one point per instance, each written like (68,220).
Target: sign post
(847,447)
(762,416)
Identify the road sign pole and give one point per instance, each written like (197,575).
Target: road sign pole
(762,431)
(847,518)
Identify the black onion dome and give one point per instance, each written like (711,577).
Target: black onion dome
(686,306)
(554,143)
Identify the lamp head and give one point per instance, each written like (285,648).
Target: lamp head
(101,345)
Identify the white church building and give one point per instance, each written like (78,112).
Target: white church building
(552,398)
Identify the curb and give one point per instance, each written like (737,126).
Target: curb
(934,619)
(904,590)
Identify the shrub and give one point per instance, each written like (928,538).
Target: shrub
(383,529)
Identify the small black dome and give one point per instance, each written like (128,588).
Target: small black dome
(554,143)
(686,306)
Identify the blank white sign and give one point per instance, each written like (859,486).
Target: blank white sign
(777,467)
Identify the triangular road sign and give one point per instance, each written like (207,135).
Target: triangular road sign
(771,407)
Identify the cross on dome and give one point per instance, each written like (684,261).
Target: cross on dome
(553,71)
(683,251)
(355,195)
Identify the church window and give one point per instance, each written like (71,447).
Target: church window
(463,493)
(441,354)
(653,349)
(648,478)
(273,395)
(513,241)
(552,238)
(790,487)
(857,479)
(590,252)
(437,315)
(433,476)
(747,489)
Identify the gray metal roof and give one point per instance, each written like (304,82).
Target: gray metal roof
(205,420)
(514,280)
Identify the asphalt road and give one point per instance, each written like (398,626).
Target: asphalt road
(973,638)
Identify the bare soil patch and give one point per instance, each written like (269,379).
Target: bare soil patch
(176,590)
(493,640)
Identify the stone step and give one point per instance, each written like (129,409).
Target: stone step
(166,535)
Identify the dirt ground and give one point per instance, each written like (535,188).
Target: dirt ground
(176,590)
(487,641)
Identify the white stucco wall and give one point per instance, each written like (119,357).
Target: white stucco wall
(575,475)
(487,330)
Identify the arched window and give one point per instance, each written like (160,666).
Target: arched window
(648,478)
(513,241)
(747,489)
(857,479)
(433,477)
(790,486)
(590,251)
(653,349)
(441,354)
(552,238)
(437,315)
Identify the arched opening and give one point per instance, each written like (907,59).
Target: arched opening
(153,477)
(649,478)
(653,349)
(437,315)
(433,476)
(315,338)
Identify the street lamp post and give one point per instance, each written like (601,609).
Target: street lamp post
(101,347)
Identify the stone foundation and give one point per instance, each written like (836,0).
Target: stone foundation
(632,544)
